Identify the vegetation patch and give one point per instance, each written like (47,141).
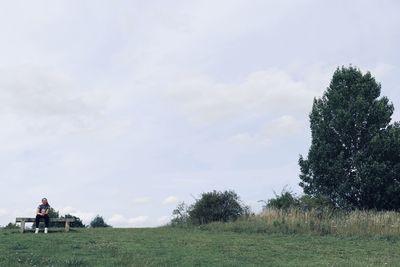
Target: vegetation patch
(171,246)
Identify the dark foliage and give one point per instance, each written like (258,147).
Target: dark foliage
(285,200)
(288,200)
(354,158)
(181,215)
(77,223)
(217,206)
(11,226)
(98,221)
(54,214)
(213,206)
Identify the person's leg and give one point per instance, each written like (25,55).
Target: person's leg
(46,223)
(37,221)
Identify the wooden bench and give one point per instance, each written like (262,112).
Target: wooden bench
(21,220)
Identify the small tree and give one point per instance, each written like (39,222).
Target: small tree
(53,213)
(98,221)
(217,206)
(180,215)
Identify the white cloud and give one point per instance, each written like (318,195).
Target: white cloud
(86,217)
(136,221)
(40,105)
(283,127)
(265,92)
(141,200)
(113,130)
(242,139)
(382,69)
(274,132)
(170,200)
(45,100)
(119,220)
(164,220)
(3,212)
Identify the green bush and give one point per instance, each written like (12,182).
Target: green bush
(11,225)
(286,200)
(98,221)
(77,223)
(289,200)
(215,206)
(180,215)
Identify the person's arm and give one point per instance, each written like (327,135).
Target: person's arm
(38,211)
(47,211)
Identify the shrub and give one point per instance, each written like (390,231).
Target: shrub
(11,226)
(98,221)
(217,207)
(289,200)
(286,200)
(53,214)
(77,223)
(180,215)
(211,207)
(308,202)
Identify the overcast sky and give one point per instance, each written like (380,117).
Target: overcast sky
(125,108)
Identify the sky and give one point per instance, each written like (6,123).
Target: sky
(127,108)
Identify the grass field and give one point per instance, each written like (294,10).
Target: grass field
(192,247)
(295,221)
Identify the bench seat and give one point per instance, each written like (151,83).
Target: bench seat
(24,220)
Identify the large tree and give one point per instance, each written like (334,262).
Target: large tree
(354,158)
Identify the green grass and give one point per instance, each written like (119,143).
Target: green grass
(192,247)
(367,223)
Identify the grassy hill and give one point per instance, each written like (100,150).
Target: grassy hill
(192,247)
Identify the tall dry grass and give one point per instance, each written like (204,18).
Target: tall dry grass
(337,222)
(321,222)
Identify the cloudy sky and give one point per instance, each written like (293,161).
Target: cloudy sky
(125,108)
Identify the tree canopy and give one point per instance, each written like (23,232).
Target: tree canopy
(98,221)
(215,206)
(354,158)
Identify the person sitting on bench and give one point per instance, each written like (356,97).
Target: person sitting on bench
(43,212)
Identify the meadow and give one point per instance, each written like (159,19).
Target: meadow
(194,246)
(316,222)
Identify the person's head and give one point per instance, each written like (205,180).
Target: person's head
(44,201)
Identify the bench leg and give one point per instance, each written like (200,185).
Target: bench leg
(66,226)
(22,227)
